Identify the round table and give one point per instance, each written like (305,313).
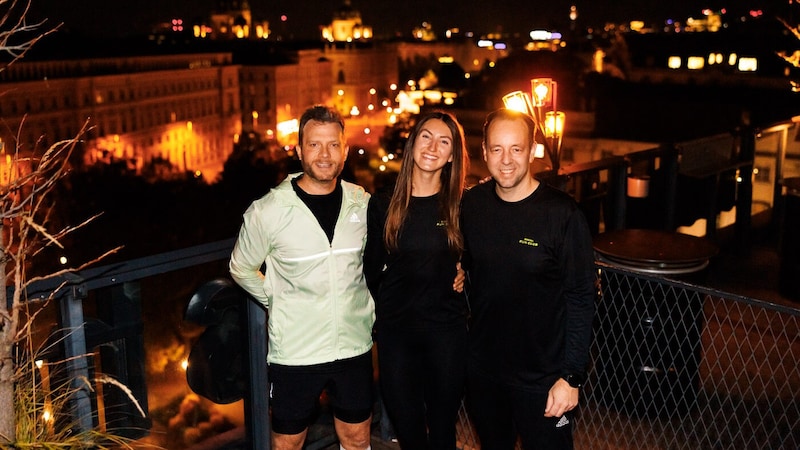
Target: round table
(654,251)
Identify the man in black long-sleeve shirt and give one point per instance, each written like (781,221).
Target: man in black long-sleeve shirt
(531,267)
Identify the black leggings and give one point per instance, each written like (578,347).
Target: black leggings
(422,374)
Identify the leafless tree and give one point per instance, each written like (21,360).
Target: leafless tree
(26,203)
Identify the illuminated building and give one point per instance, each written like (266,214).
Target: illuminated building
(233,19)
(346,26)
(274,91)
(140,109)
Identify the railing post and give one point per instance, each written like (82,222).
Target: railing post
(72,321)
(744,195)
(670,166)
(618,178)
(256,402)
(119,308)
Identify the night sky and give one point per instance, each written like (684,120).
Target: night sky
(117,18)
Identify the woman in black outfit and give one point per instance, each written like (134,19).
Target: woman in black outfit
(411,261)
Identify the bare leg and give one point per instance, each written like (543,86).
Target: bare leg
(353,436)
(288,441)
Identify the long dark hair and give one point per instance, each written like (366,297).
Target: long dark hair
(452,184)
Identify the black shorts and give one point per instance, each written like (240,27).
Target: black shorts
(295,390)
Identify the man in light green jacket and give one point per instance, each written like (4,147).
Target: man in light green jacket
(309,233)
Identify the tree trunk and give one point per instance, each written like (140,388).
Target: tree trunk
(7,416)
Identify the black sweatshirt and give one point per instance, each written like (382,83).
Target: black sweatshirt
(532,285)
(412,286)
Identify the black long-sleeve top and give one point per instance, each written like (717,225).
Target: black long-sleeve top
(413,285)
(532,285)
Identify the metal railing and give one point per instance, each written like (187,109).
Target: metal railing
(674,365)
(680,366)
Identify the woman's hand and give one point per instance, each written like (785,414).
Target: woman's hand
(458,283)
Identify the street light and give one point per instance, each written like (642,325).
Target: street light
(541,106)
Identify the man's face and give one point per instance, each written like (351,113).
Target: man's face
(323,151)
(508,152)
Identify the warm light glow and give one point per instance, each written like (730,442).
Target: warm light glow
(541,35)
(674,62)
(340,92)
(748,64)
(367,130)
(732,59)
(189,125)
(542,89)
(382,168)
(446,60)
(63,260)
(554,124)
(539,151)
(695,63)
(434,96)
(597,60)
(287,127)
(354,111)
(518,101)
(185,364)
(39,363)
(47,416)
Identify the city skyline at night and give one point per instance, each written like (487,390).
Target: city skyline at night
(296,19)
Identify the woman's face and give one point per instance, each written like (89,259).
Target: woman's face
(433,146)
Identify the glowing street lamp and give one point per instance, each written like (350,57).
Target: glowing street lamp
(541,106)
(518,101)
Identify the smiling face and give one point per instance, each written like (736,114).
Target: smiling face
(322,154)
(433,146)
(508,151)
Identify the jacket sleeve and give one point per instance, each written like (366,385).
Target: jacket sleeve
(375,250)
(249,254)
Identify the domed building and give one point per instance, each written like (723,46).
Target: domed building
(346,26)
(233,19)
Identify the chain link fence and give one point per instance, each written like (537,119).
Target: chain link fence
(678,366)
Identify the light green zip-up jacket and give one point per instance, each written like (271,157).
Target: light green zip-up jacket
(319,307)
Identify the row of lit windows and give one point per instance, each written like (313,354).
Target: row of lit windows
(155,90)
(24,104)
(30,103)
(251,76)
(51,70)
(126,120)
(41,134)
(742,64)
